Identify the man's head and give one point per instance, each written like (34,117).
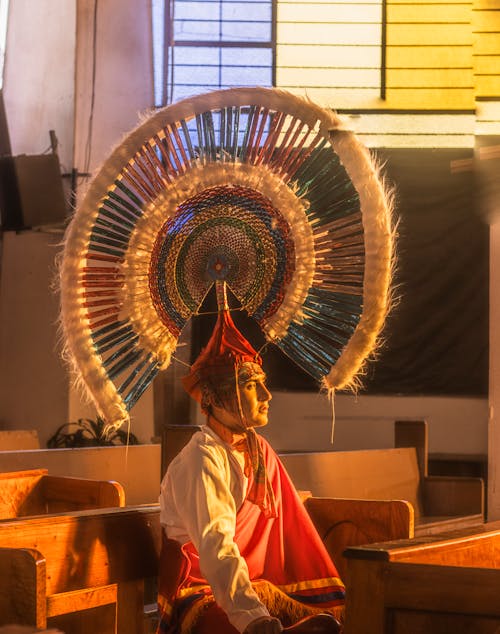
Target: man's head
(227,378)
(244,403)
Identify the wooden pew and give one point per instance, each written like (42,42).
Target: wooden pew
(86,571)
(448,583)
(80,572)
(34,492)
(338,521)
(23,629)
(441,503)
(341,523)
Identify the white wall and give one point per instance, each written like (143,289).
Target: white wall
(34,382)
(302,422)
(108,109)
(39,96)
(123,74)
(39,75)
(48,86)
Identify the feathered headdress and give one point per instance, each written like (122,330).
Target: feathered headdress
(253,186)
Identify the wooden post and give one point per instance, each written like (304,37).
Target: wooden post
(413,433)
(172,405)
(489,201)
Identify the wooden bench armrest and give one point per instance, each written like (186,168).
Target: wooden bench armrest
(65,493)
(452,495)
(93,558)
(22,587)
(343,522)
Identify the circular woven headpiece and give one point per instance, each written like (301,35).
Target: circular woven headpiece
(256,187)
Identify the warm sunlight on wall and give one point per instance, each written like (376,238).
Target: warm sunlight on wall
(4,10)
(334,52)
(429,55)
(330,52)
(486,26)
(407,74)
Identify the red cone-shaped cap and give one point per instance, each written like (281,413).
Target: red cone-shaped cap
(226,350)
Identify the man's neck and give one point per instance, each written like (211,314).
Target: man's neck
(227,434)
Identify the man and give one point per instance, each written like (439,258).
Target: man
(240,553)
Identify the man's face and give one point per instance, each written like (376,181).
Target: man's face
(254,399)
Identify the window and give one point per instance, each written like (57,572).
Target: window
(206,45)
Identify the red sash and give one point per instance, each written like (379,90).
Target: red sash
(285,551)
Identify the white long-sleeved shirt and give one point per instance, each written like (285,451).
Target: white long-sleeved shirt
(199,497)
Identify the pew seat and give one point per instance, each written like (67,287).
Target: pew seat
(35,492)
(429,585)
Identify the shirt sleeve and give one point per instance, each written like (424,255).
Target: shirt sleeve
(208,511)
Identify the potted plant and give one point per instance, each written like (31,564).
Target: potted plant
(86,432)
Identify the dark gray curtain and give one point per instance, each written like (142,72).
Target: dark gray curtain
(436,337)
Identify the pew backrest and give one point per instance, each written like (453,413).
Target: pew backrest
(90,548)
(371,474)
(35,492)
(342,523)
(440,502)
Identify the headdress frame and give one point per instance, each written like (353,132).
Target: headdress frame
(303,197)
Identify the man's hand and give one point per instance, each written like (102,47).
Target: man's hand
(264,625)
